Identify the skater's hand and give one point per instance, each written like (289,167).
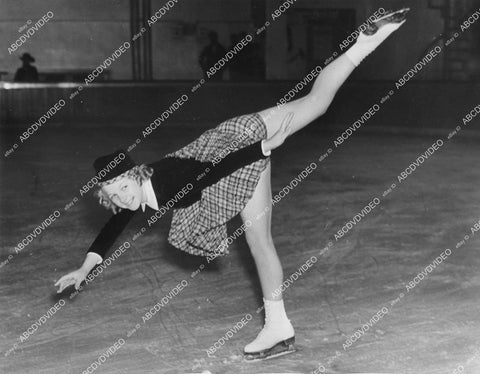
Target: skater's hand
(279,137)
(75,277)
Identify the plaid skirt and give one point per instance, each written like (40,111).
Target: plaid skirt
(200,229)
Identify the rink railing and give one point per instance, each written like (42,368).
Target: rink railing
(418,105)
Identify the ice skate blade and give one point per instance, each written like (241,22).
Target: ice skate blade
(391,17)
(280,349)
(257,359)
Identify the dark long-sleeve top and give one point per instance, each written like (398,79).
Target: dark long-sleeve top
(170,175)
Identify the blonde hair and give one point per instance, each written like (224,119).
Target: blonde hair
(139,174)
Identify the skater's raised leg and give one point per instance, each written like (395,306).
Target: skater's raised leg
(332,77)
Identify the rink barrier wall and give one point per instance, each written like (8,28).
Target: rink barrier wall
(419,106)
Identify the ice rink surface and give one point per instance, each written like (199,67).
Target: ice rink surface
(429,328)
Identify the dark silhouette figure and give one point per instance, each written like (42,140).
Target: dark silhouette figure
(210,55)
(249,64)
(234,64)
(256,56)
(27,73)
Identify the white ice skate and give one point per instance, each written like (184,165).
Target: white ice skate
(375,34)
(275,339)
(389,18)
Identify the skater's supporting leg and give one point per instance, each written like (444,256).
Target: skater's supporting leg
(277,335)
(259,238)
(278,328)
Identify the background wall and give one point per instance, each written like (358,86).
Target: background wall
(422,27)
(83,33)
(182,33)
(80,35)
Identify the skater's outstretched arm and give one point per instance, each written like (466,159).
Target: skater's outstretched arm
(116,224)
(76,277)
(97,251)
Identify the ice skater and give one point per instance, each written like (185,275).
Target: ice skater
(217,187)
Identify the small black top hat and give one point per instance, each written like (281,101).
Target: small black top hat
(27,57)
(112,165)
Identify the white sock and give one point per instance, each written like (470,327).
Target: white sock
(275,311)
(367,44)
